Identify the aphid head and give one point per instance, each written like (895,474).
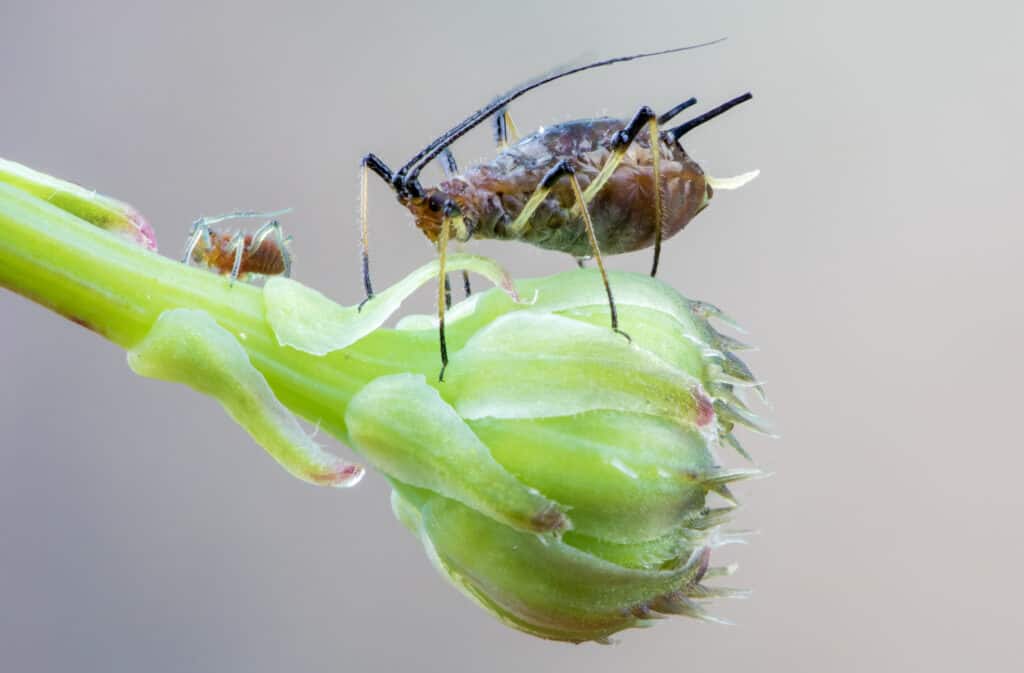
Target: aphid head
(431,209)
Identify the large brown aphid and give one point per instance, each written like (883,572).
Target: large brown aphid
(588,187)
(264,252)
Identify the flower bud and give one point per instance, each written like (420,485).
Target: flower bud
(101,211)
(560,474)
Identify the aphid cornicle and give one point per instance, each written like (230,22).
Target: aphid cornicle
(264,252)
(588,187)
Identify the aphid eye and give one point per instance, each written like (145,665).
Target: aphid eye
(434,204)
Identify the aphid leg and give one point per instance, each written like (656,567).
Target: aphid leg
(597,250)
(505,131)
(237,245)
(654,133)
(655,137)
(622,141)
(447,292)
(451,169)
(519,225)
(272,230)
(448,163)
(200,234)
(465,274)
(364,232)
(447,223)
(369,163)
(522,221)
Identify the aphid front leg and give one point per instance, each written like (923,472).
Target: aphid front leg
(451,219)
(200,236)
(370,163)
(466,286)
(451,170)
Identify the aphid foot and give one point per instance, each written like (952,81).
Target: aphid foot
(618,331)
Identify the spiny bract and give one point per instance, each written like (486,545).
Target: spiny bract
(560,475)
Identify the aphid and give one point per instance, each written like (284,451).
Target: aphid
(239,255)
(588,187)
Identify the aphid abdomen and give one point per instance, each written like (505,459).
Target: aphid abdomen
(265,260)
(623,212)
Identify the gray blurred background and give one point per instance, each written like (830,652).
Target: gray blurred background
(875,262)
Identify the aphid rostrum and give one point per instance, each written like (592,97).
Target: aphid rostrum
(239,255)
(588,187)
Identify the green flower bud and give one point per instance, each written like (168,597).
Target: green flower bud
(560,475)
(101,211)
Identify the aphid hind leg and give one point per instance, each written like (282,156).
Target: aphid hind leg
(623,139)
(466,285)
(621,143)
(655,141)
(659,212)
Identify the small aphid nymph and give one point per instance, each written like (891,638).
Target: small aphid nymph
(588,187)
(239,255)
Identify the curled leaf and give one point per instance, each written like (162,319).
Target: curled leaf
(188,346)
(308,321)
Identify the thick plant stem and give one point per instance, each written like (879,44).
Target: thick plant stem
(118,290)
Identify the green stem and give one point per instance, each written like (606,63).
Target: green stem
(118,290)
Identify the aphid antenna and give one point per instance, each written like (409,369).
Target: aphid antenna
(679,131)
(244,214)
(406,179)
